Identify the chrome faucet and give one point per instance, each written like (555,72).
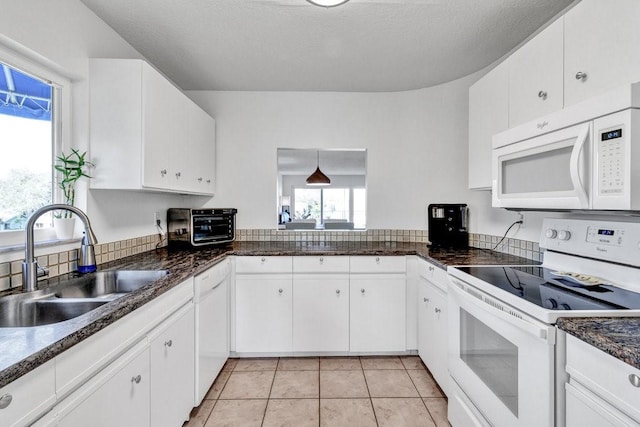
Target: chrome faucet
(86,257)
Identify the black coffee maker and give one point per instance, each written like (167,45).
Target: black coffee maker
(448,225)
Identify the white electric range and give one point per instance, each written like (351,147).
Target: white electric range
(503,353)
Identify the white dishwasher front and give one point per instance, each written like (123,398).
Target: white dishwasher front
(212,326)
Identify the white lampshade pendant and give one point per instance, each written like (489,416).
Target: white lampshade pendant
(327,3)
(317,177)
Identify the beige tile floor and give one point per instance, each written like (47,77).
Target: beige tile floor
(326,391)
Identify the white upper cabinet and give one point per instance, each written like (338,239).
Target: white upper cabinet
(535,76)
(602,38)
(146,133)
(488,115)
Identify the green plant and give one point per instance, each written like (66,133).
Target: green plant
(71,167)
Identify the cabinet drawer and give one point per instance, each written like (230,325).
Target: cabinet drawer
(378,264)
(263,264)
(433,273)
(321,264)
(605,375)
(30,396)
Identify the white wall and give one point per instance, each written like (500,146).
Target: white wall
(63,35)
(416,145)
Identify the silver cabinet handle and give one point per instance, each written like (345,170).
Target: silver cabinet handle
(431,268)
(208,181)
(280,291)
(200,179)
(178,174)
(338,291)
(263,259)
(163,172)
(321,260)
(437,310)
(5,400)
(136,379)
(378,259)
(168,343)
(426,299)
(362,291)
(542,95)
(580,75)
(634,380)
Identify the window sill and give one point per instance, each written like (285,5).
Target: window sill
(7,250)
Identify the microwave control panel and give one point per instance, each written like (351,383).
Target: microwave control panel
(611,151)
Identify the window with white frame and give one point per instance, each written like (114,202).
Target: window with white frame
(26,177)
(33,100)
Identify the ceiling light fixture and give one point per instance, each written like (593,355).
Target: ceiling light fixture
(327,3)
(317,177)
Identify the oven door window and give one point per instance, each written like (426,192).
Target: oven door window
(210,228)
(491,357)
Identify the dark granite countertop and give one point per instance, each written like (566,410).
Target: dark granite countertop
(24,349)
(617,336)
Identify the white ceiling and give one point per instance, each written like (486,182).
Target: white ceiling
(332,162)
(291,45)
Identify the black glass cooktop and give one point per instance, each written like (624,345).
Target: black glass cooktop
(542,287)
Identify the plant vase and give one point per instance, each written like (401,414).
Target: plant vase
(64,227)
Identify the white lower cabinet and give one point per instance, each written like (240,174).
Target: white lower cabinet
(116,396)
(378,315)
(264,309)
(321,313)
(29,396)
(432,322)
(172,369)
(602,390)
(432,326)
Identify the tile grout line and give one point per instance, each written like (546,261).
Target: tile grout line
(264,415)
(373,409)
(421,397)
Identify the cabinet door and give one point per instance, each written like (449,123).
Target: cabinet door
(203,129)
(601,41)
(433,331)
(263,313)
(425,325)
(321,313)
(172,369)
(29,396)
(160,129)
(488,115)
(535,76)
(378,313)
(117,396)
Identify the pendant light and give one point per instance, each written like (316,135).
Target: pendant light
(317,177)
(327,3)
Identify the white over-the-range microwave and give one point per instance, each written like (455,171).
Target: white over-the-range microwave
(584,157)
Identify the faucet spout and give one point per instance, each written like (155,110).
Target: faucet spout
(30,266)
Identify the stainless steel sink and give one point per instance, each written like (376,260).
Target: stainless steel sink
(108,284)
(72,298)
(37,312)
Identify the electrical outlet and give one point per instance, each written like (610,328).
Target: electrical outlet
(156,218)
(522,218)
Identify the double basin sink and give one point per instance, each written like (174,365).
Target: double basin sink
(73,297)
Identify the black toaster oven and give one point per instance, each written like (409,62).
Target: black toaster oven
(199,227)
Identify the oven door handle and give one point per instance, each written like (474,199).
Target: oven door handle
(493,307)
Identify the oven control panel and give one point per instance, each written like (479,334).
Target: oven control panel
(607,240)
